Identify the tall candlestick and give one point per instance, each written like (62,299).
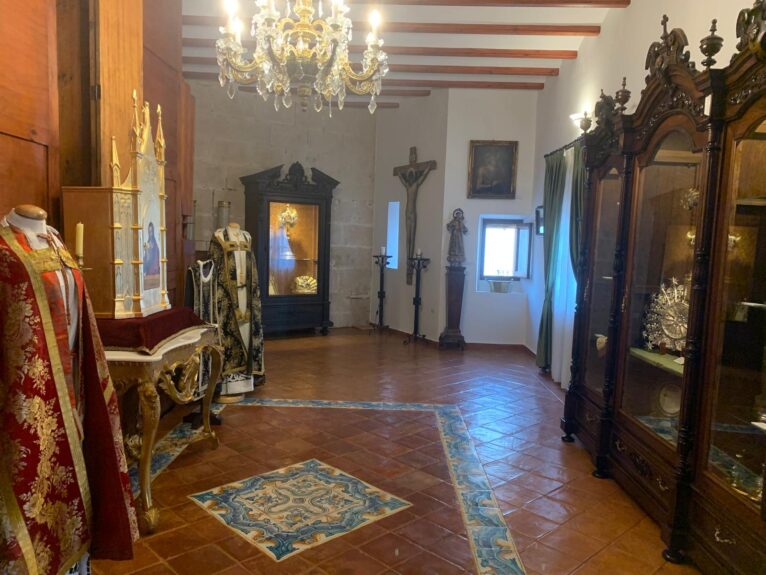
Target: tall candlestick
(79,232)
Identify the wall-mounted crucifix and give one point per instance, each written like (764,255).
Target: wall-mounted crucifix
(412,175)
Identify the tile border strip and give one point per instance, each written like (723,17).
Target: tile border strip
(493,548)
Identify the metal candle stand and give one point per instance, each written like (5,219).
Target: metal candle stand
(419,263)
(382,262)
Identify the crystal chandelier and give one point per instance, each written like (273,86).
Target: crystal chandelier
(304,54)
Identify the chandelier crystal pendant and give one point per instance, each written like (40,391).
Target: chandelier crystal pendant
(305,54)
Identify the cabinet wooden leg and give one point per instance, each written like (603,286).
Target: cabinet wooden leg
(149,400)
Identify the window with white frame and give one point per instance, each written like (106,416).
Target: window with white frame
(504,248)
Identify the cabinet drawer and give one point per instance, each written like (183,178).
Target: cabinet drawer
(651,473)
(724,542)
(588,417)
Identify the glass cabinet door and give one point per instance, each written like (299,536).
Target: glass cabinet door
(737,453)
(293,248)
(599,304)
(662,253)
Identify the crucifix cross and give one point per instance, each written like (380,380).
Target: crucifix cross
(412,175)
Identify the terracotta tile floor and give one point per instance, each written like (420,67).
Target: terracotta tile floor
(563,520)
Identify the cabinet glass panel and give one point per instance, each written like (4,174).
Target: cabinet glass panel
(293,248)
(604,238)
(666,208)
(738,437)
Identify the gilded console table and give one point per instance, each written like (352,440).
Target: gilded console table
(174,368)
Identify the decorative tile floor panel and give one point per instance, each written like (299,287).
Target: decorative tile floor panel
(297,507)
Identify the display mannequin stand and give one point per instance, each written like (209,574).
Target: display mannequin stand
(381,261)
(418,263)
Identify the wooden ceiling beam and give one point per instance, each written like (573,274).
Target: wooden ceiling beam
(489,70)
(505,3)
(413,83)
(482,85)
(447,28)
(431,51)
(427,68)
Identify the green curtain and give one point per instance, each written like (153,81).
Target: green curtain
(578,205)
(553,199)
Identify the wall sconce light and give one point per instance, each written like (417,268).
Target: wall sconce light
(582,120)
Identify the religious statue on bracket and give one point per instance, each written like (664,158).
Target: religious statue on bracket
(412,176)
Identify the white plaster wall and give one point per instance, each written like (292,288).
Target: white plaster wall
(489,115)
(238,137)
(420,122)
(620,50)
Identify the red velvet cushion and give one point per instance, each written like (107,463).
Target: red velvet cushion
(145,334)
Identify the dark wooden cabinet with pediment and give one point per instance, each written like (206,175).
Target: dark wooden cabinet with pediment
(289,220)
(679,420)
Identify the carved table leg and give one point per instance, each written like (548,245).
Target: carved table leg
(148,515)
(215,374)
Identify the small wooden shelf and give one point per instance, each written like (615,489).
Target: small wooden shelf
(664,362)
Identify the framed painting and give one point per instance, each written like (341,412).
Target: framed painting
(492,169)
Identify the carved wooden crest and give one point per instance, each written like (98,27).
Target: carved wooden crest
(751,29)
(671,85)
(669,51)
(604,138)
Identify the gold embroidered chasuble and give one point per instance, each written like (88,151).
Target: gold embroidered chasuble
(64,487)
(242,355)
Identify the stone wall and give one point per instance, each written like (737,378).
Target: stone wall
(245,135)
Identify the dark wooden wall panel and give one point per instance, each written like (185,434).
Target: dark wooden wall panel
(23,173)
(118,25)
(74,63)
(29,141)
(164,85)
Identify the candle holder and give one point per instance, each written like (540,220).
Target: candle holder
(382,262)
(81,264)
(418,263)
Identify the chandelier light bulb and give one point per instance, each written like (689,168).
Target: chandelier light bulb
(237,27)
(231,7)
(375,21)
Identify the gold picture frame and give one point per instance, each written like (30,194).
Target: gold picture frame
(492,167)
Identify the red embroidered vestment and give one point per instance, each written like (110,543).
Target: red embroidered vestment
(64,487)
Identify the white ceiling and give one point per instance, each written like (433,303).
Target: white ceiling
(511,12)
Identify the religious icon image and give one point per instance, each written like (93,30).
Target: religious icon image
(412,176)
(492,169)
(151,259)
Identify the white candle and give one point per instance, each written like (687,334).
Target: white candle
(79,232)
(382,250)
(418,253)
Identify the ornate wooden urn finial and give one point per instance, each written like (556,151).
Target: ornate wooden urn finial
(710,45)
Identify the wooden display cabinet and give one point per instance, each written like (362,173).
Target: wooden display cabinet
(289,220)
(682,424)
(727,524)
(588,409)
